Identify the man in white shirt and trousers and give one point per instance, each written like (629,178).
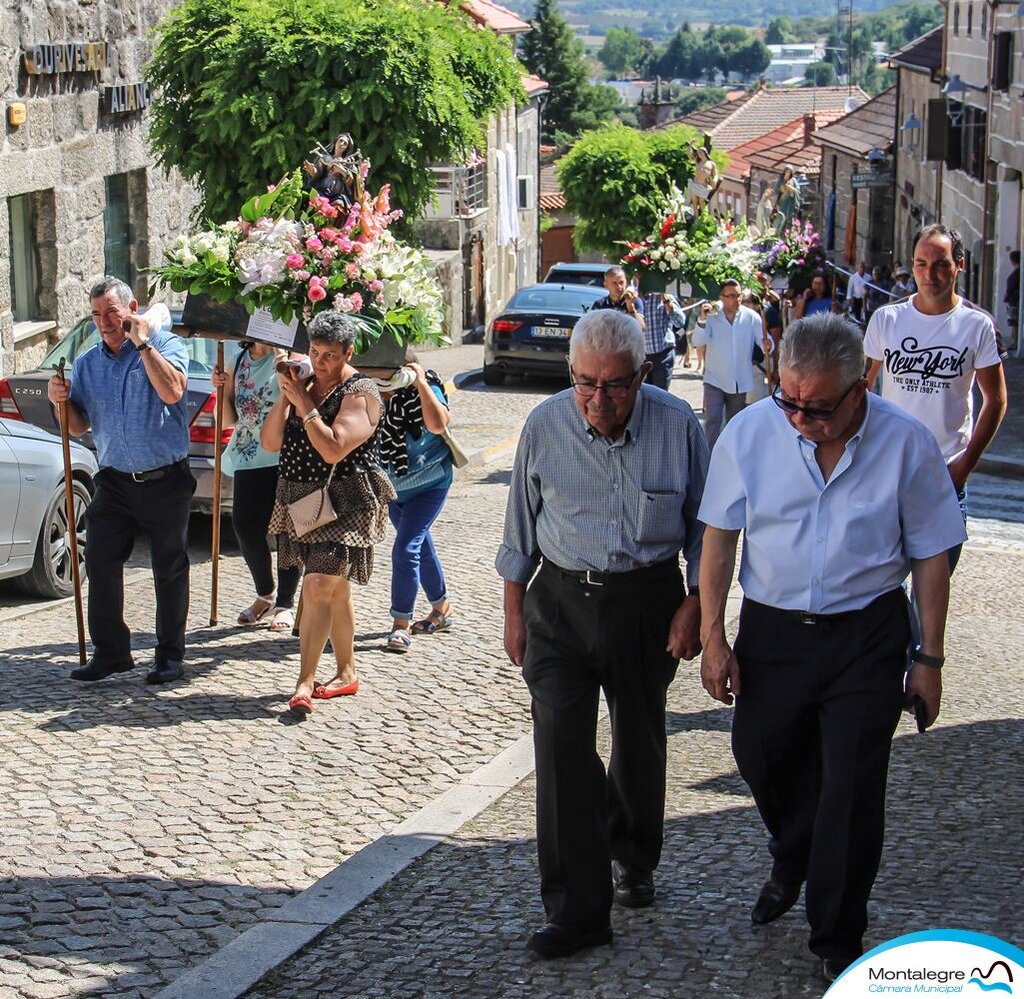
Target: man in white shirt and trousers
(840,494)
(931,348)
(730,336)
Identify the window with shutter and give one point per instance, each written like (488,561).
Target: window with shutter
(937,129)
(1002,75)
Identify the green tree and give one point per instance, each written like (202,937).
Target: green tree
(679,58)
(752,59)
(552,51)
(623,51)
(779,31)
(244,88)
(821,74)
(613,179)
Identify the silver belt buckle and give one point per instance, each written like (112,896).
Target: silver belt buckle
(592,582)
(806,617)
(137,476)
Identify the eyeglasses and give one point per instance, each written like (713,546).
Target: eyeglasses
(614,390)
(811,412)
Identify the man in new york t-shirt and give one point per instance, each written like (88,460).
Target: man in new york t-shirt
(932,346)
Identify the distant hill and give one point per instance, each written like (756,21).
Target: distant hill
(657,19)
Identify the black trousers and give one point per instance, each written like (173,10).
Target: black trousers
(160,508)
(251,506)
(581,640)
(814,721)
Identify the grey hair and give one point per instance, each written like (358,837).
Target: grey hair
(109,284)
(608,331)
(823,342)
(615,269)
(332,326)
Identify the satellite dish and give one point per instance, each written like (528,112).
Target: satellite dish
(852,103)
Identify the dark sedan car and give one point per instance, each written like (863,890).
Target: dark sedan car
(23,397)
(531,334)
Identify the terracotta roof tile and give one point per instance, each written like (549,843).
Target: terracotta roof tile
(548,181)
(534,85)
(551,202)
(802,157)
(500,20)
(734,123)
(871,125)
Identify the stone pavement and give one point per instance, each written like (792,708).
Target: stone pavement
(454,923)
(144,828)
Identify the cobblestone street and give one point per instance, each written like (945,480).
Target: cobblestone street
(145,828)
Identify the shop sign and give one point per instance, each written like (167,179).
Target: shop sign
(126,97)
(66,57)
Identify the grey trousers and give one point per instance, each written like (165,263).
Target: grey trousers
(715,403)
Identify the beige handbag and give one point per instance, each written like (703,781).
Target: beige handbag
(459,457)
(313,511)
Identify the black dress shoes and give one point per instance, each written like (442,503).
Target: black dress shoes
(164,672)
(98,669)
(833,967)
(634,887)
(776,899)
(552,940)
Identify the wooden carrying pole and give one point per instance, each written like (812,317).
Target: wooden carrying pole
(215,540)
(69,512)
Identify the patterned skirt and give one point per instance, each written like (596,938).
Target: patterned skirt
(345,546)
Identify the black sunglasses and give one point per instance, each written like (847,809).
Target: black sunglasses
(811,412)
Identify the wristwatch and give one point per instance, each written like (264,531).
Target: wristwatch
(935,662)
(145,345)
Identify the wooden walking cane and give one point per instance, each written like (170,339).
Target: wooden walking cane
(215,540)
(69,512)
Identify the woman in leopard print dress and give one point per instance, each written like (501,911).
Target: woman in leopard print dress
(329,419)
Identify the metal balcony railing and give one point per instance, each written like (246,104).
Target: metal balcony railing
(460,191)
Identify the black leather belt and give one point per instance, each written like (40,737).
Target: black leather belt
(589,577)
(152,475)
(807,617)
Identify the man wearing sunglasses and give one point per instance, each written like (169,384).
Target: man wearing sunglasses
(839,495)
(604,495)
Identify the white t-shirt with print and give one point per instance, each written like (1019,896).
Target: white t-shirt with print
(928,365)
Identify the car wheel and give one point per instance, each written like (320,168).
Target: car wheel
(493,375)
(50,575)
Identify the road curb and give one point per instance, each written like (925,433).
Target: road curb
(1002,465)
(234,969)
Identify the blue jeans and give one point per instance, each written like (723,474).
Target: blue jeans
(413,558)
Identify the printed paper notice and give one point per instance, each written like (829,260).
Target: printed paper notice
(264,328)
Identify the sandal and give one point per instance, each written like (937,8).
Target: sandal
(255,613)
(283,620)
(434,622)
(399,641)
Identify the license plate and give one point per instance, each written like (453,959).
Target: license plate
(561,332)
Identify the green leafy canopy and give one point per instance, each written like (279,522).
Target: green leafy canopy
(244,88)
(614,180)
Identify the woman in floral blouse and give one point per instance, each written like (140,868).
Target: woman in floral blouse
(252,389)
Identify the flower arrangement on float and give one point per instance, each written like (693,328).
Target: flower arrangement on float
(798,254)
(701,250)
(295,253)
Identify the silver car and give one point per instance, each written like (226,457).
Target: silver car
(35,541)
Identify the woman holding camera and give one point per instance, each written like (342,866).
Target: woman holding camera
(251,390)
(325,428)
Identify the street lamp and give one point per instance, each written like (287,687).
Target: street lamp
(875,156)
(955,87)
(911,129)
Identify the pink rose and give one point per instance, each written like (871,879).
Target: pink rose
(352,271)
(376,286)
(294,261)
(331,235)
(345,244)
(301,275)
(327,255)
(314,244)
(357,248)
(317,289)
(356,301)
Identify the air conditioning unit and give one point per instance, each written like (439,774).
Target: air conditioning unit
(527,197)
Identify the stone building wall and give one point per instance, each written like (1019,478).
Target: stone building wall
(63,154)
